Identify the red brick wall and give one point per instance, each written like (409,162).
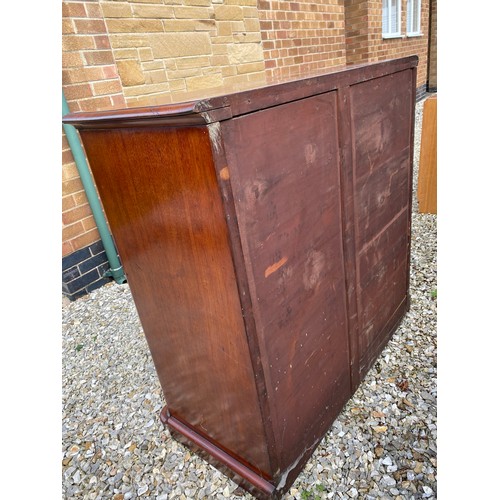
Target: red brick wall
(380,49)
(90,81)
(433,47)
(301,36)
(356,31)
(364,40)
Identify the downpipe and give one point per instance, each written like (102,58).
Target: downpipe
(116,269)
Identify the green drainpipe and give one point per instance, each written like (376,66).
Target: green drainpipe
(116,270)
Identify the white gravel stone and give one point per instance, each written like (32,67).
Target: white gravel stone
(114,445)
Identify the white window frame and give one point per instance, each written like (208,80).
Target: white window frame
(393,31)
(409,17)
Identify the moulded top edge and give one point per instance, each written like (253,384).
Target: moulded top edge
(226,101)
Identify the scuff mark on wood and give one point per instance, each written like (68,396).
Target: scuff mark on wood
(314,266)
(274,267)
(224,174)
(215,136)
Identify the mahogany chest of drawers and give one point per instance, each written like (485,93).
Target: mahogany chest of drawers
(265,236)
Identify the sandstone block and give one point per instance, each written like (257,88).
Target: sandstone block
(252,24)
(146,54)
(141,90)
(152,65)
(249,3)
(179,25)
(125,54)
(130,72)
(204,82)
(129,41)
(252,67)
(180,44)
(245,52)
(157,76)
(224,28)
(248,37)
(193,13)
(153,11)
(116,9)
(177,85)
(134,25)
(228,12)
(193,62)
(198,3)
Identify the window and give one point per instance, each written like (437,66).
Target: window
(391,18)
(413,17)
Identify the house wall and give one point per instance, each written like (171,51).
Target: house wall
(301,36)
(364,41)
(432,76)
(118,53)
(356,25)
(90,81)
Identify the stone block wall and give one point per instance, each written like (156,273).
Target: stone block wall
(165,48)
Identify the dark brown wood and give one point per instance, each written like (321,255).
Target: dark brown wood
(160,193)
(240,473)
(265,236)
(347,193)
(290,229)
(381,112)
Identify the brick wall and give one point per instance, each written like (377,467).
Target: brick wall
(90,81)
(356,31)
(364,40)
(399,47)
(127,52)
(118,53)
(301,36)
(432,69)
(163,48)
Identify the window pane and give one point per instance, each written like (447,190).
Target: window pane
(413,16)
(394,16)
(385,16)
(391,17)
(409,16)
(416,16)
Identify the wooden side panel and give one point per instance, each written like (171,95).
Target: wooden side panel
(427,170)
(283,167)
(160,194)
(381,117)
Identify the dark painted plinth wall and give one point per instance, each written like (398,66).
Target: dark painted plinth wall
(421,92)
(83,271)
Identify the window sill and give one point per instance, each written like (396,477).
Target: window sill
(399,35)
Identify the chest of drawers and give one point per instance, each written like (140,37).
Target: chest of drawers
(265,236)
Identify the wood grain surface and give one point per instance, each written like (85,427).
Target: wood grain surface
(381,168)
(265,235)
(284,171)
(427,170)
(160,194)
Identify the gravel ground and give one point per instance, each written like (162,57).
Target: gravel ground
(383,444)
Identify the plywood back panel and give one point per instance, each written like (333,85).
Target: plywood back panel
(284,171)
